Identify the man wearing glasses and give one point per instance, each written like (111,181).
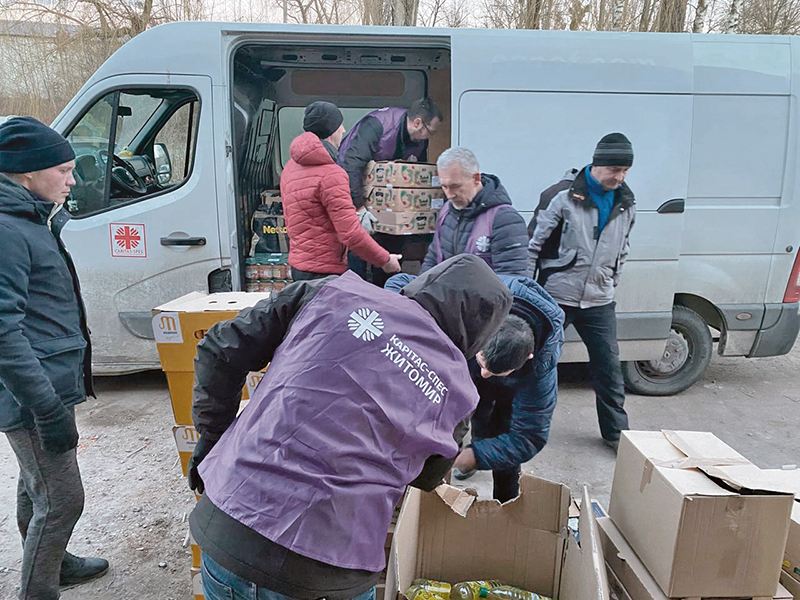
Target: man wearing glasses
(392,133)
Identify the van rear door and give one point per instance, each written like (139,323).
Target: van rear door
(145,226)
(533,106)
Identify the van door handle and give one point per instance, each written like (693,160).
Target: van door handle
(676,205)
(187,241)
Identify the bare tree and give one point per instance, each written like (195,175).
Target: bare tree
(699,23)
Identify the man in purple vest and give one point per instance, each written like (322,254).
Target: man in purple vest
(392,133)
(366,392)
(477,218)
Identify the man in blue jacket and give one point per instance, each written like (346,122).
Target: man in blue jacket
(517,379)
(45,358)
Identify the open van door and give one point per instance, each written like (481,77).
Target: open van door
(532,108)
(145,225)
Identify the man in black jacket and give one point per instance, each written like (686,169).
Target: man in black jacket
(45,362)
(477,218)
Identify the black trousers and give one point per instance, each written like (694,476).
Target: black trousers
(491,419)
(597,327)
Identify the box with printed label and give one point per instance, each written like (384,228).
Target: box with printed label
(401,174)
(186,436)
(674,497)
(791,558)
(451,536)
(405,222)
(791,584)
(197,583)
(178,327)
(629,573)
(406,198)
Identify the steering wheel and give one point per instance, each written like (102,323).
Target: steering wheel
(126,179)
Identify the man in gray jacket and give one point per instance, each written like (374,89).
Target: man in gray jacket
(579,246)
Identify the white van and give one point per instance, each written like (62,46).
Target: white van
(179,132)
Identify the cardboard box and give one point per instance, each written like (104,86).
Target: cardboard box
(186,436)
(405,222)
(406,198)
(696,537)
(448,535)
(179,326)
(401,174)
(629,571)
(791,558)
(791,584)
(197,583)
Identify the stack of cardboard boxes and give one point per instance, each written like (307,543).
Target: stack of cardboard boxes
(267,269)
(690,517)
(404,197)
(790,576)
(178,327)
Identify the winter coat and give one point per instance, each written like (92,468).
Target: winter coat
(45,355)
(575,265)
(445,307)
(381,135)
(509,239)
(320,218)
(532,390)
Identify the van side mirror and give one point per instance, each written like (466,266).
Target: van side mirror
(163,163)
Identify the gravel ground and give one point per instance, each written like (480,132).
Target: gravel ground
(137,501)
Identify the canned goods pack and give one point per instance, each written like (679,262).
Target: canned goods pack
(271,285)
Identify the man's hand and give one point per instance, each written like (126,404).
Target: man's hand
(367,219)
(393,266)
(465,461)
(201,450)
(57,430)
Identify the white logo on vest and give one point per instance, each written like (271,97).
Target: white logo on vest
(365,324)
(482,243)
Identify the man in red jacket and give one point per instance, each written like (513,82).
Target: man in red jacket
(320,216)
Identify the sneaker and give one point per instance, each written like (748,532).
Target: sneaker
(613,444)
(75,570)
(462,475)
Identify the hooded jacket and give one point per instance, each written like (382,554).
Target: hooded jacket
(575,265)
(320,219)
(310,314)
(507,243)
(531,391)
(44,342)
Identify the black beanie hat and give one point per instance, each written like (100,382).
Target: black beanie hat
(29,145)
(322,118)
(614,150)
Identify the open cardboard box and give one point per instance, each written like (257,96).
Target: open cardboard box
(449,535)
(628,572)
(704,520)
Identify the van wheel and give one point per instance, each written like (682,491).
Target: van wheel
(686,357)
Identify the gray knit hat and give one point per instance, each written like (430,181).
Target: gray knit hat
(614,150)
(322,118)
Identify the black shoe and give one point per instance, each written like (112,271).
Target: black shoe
(462,475)
(75,570)
(613,444)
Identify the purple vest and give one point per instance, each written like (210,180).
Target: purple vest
(392,119)
(480,238)
(363,388)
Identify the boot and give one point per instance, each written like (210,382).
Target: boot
(75,570)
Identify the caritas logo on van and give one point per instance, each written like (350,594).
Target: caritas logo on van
(128,240)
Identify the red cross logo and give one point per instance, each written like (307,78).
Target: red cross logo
(127,238)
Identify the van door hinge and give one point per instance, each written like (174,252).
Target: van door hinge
(228,150)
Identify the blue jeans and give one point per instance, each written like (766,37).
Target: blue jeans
(221,584)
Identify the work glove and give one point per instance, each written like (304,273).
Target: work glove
(367,219)
(201,450)
(57,430)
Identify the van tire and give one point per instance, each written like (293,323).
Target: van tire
(686,358)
